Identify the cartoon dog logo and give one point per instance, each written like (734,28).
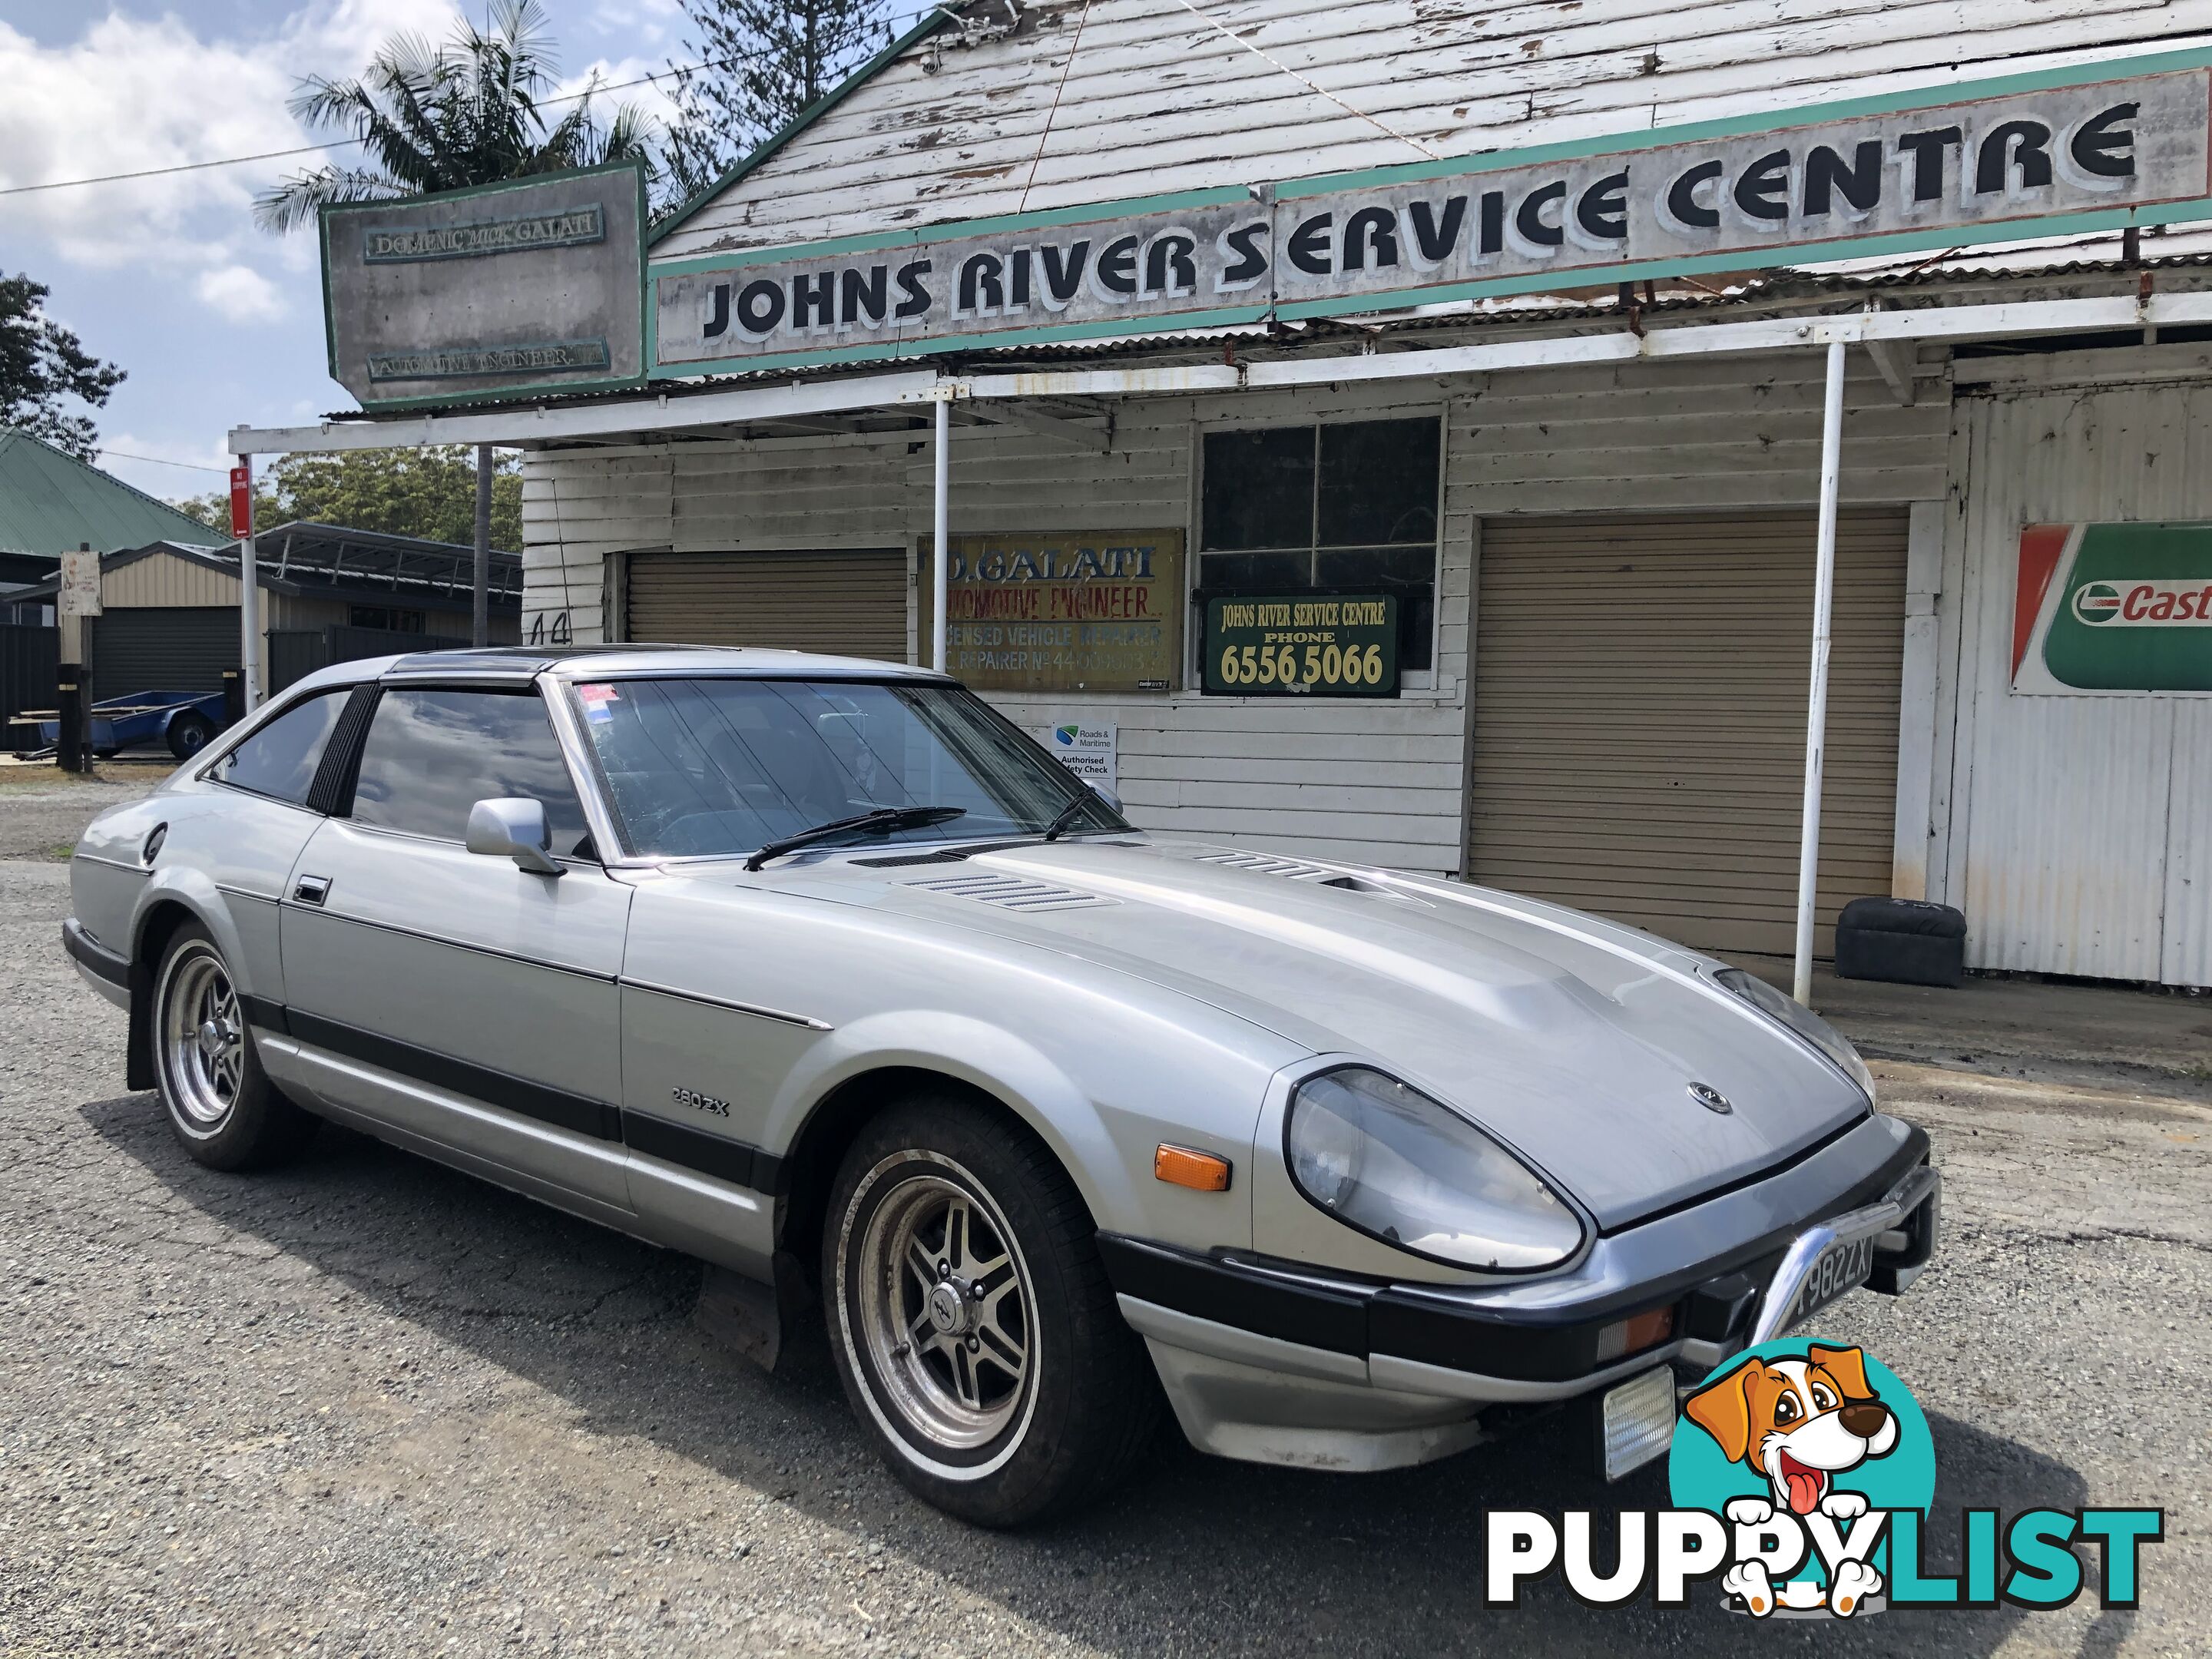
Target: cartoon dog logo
(1799,1422)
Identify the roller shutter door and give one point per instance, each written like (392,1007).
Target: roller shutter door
(848,604)
(184,648)
(1639,718)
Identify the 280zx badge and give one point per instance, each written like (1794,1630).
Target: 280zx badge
(702,1103)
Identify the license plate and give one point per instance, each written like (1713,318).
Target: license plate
(1843,1266)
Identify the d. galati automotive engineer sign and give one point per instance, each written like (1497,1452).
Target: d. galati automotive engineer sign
(1963,171)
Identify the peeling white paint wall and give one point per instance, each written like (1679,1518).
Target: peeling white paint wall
(1158,99)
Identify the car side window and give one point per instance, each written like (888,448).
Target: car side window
(279,759)
(432,754)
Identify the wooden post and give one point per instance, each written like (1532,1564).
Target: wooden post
(69,710)
(75,605)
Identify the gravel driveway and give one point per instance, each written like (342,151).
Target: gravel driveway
(369,1405)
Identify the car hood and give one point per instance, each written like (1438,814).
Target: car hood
(1573,1040)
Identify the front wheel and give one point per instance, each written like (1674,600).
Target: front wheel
(971,1322)
(222,1106)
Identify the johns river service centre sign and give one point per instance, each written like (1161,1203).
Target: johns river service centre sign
(546,286)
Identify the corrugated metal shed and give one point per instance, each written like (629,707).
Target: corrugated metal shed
(51,503)
(1090,101)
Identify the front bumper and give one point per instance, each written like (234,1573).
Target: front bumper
(1284,1363)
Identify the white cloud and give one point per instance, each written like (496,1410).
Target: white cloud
(163,468)
(134,94)
(656,26)
(239,293)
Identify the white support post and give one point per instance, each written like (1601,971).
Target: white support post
(940,578)
(480,582)
(1816,713)
(249,603)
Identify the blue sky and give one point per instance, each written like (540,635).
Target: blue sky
(216,322)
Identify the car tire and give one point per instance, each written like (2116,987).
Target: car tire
(188,734)
(225,1111)
(1006,1388)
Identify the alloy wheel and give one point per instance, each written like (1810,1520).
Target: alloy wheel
(945,1307)
(202,1038)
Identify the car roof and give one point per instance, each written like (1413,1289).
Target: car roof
(523,662)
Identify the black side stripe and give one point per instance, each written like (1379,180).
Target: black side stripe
(694,1149)
(579,1114)
(732,1161)
(267,1015)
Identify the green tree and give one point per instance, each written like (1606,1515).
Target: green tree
(430,493)
(759,64)
(41,363)
(472,111)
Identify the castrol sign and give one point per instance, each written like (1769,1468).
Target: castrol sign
(2113,609)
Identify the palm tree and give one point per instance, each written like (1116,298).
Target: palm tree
(470,112)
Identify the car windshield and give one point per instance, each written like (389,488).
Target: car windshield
(717,767)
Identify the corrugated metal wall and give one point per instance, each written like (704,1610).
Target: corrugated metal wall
(2076,835)
(1381,783)
(1158,99)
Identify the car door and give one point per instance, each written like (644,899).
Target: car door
(452,996)
(246,835)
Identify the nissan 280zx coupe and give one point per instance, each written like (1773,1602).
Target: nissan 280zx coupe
(823,971)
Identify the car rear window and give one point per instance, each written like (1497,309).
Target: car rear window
(279,759)
(430,755)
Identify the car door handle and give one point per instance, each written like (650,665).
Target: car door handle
(312,889)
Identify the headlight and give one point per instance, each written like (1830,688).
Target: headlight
(1802,1022)
(1383,1158)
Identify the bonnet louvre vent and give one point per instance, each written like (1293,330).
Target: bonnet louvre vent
(1013,892)
(1262,864)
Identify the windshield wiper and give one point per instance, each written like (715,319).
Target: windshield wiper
(1068,814)
(882,821)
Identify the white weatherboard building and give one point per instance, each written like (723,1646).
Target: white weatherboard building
(1488,351)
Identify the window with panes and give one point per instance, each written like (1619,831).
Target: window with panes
(1346,507)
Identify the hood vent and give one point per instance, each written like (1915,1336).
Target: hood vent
(1265,864)
(1013,892)
(1262,864)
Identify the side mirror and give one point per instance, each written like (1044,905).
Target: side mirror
(1107,795)
(512,828)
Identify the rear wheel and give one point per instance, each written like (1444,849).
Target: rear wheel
(221,1105)
(189,733)
(971,1322)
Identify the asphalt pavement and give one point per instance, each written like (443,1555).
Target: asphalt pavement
(367,1405)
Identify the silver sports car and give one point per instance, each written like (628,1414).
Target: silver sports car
(821,970)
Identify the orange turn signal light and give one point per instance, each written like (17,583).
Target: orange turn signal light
(1202,1172)
(1635,1333)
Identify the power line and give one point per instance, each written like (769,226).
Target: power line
(125,455)
(182,166)
(671,71)
(335,143)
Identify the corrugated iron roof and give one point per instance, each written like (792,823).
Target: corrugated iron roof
(332,561)
(50,503)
